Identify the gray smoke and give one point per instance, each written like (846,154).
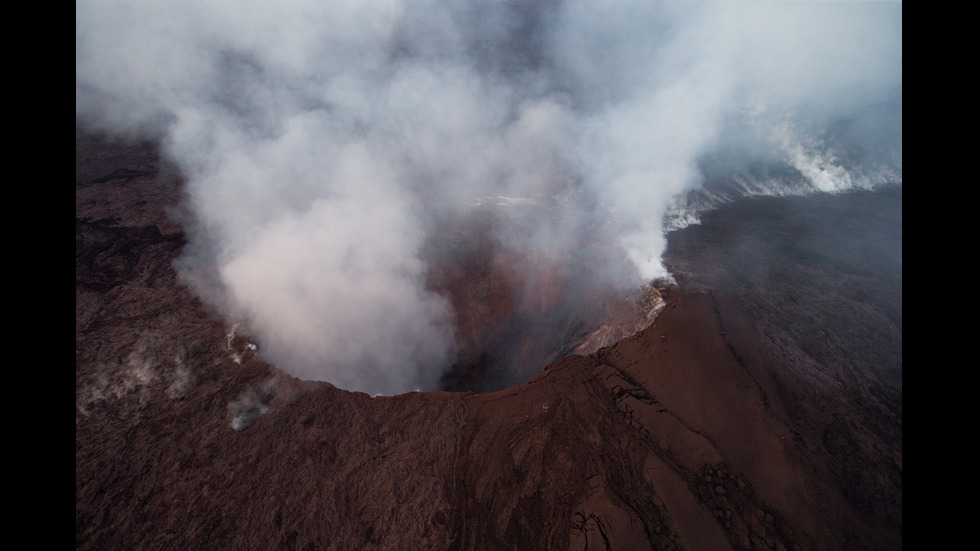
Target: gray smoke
(326,144)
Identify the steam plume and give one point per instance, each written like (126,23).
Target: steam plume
(334,150)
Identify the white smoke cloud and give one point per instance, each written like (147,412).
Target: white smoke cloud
(326,143)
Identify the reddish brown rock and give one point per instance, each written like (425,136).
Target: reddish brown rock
(691,434)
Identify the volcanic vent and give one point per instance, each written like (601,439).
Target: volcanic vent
(516,311)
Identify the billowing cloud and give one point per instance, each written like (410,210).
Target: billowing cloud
(336,152)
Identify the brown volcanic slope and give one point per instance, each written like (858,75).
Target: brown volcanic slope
(688,435)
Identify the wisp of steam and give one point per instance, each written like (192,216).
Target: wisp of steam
(339,154)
